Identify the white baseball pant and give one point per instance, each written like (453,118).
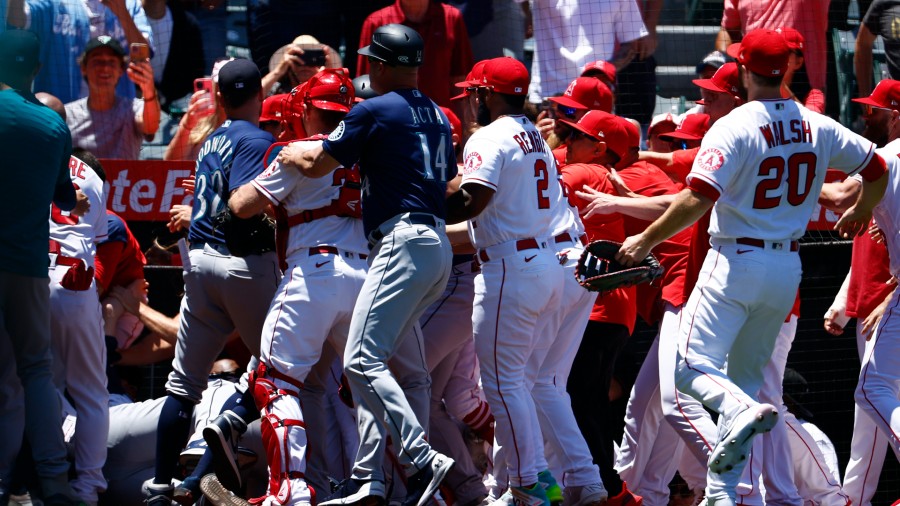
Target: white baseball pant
(547,375)
(512,295)
(79,368)
(735,311)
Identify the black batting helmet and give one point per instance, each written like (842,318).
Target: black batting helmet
(395,44)
(363,88)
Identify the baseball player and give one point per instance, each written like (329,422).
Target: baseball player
(402,142)
(223,292)
(758,166)
(325,255)
(76,326)
(509,172)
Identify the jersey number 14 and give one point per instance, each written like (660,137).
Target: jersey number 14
(440,159)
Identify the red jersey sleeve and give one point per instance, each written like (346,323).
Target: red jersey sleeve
(109,254)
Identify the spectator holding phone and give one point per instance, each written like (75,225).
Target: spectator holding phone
(105,123)
(293,64)
(204,114)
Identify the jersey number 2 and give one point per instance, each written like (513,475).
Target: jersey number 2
(543,184)
(772,170)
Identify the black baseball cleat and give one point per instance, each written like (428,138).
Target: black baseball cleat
(734,447)
(221,437)
(356,492)
(218,495)
(421,486)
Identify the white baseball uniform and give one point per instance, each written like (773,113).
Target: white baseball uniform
(764,165)
(521,280)
(76,326)
(877,393)
(326,260)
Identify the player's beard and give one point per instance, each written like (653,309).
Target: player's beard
(876,132)
(483,116)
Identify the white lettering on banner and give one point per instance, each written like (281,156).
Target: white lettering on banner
(173,188)
(118,187)
(138,193)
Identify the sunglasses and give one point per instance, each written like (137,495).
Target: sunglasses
(565,112)
(678,144)
(869,109)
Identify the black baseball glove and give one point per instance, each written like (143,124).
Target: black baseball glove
(244,237)
(598,270)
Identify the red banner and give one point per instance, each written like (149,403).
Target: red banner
(145,190)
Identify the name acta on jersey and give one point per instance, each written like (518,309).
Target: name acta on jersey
(529,141)
(776,134)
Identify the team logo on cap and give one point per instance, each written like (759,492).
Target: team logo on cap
(337,133)
(473,163)
(710,159)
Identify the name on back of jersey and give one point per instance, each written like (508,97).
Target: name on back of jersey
(530,141)
(425,115)
(797,131)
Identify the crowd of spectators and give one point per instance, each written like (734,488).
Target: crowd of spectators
(588,56)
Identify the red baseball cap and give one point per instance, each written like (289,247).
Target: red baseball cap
(273,108)
(455,123)
(794,39)
(692,128)
(603,126)
(725,80)
(506,75)
(885,95)
(586,93)
(632,133)
(601,67)
(763,52)
(661,119)
(473,78)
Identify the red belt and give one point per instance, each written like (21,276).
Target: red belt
(326,250)
(60,258)
(521,245)
(566,237)
(759,243)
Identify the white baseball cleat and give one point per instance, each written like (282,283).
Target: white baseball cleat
(733,448)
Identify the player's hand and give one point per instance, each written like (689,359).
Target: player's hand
(291,155)
(189,183)
(633,250)
(854,222)
(201,105)
(646,46)
(831,325)
(598,202)
(545,124)
(871,321)
(875,233)
(82,204)
(179,218)
(620,185)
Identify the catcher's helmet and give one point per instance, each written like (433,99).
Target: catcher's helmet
(395,44)
(329,89)
(363,88)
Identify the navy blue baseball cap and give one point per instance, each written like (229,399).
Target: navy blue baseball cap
(239,79)
(397,45)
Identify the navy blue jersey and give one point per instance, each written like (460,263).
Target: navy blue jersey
(230,157)
(405,153)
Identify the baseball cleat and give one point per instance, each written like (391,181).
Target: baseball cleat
(359,492)
(551,487)
(585,495)
(221,435)
(733,448)
(529,496)
(421,486)
(218,495)
(625,498)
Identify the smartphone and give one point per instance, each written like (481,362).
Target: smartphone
(313,57)
(203,84)
(140,52)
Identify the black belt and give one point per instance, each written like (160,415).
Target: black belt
(413,219)
(759,243)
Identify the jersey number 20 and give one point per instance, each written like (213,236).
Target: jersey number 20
(799,165)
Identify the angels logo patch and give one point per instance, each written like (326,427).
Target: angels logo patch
(710,159)
(337,133)
(473,163)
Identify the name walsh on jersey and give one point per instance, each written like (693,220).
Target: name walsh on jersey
(777,135)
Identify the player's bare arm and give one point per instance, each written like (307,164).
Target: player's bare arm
(871,321)
(836,316)
(247,201)
(661,160)
(641,207)
(458,233)
(688,207)
(82,204)
(839,196)
(314,163)
(468,202)
(856,220)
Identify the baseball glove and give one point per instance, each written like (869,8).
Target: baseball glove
(244,237)
(598,270)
